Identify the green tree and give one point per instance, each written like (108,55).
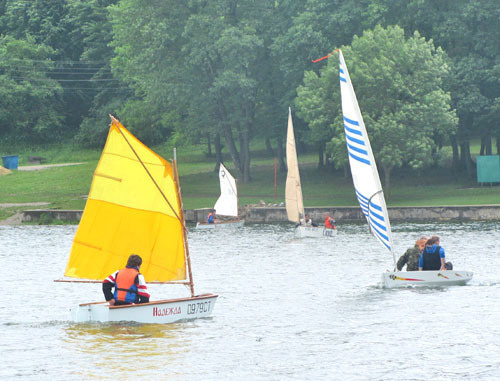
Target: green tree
(398,83)
(103,92)
(199,59)
(469,32)
(29,99)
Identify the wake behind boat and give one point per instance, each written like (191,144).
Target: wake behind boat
(227,203)
(135,206)
(370,194)
(293,192)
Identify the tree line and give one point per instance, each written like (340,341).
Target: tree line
(224,72)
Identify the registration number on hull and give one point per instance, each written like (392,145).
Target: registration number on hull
(199,307)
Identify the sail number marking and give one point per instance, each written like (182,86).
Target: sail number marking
(195,308)
(327,232)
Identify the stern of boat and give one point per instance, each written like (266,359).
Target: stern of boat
(90,312)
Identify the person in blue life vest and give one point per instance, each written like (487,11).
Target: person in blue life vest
(129,285)
(211,217)
(432,257)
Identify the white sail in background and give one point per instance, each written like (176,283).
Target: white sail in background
(227,204)
(293,191)
(363,167)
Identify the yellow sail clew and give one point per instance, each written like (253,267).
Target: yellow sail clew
(126,213)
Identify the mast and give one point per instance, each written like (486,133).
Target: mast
(184,230)
(237,209)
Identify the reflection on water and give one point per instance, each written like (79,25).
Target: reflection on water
(288,309)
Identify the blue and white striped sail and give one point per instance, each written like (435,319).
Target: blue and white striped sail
(363,167)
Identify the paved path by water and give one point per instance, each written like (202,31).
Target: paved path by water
(44,166)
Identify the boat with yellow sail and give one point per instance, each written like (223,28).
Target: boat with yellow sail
(135,207)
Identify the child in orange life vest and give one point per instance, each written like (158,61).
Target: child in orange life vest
(130,286)
(329,222)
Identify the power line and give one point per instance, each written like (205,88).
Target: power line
(50,71)
(57,61)
(64,80)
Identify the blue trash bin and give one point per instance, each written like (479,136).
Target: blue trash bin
(10,162)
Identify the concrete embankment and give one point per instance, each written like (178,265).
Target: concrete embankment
(274,214)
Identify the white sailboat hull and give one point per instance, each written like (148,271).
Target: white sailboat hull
(157,312)
(392,279)
(221,225)
(314,232)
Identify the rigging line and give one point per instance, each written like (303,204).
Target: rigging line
(116,123)
(53,67)
(51,71)
(59,61)
(82,88)
(64,80)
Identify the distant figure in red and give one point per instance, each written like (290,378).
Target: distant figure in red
(329,222)
(130,286)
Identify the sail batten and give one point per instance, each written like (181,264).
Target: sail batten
(132,208)
(364,171)
(293,191)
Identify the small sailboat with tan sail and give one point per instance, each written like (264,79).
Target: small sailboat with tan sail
(134,207)
(293,193)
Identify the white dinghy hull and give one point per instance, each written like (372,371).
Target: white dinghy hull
(221,225)
(314,232)
(392,279)
(157,312)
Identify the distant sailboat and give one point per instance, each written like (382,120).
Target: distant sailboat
(370,194)
(134,207)
(227,203)
(293,192)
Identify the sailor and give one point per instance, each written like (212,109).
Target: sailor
(130,286)
(329,222)
(432,257)
(411,257)
(308,221)
(211,217)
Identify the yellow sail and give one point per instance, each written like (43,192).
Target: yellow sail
(293,191)
(128,213)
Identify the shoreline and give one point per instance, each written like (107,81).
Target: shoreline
(277,214)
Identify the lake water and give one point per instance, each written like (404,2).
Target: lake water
(288,309)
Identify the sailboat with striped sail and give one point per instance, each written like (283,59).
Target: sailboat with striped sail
(293,192)
(134,207)
(226,204)
(370,194)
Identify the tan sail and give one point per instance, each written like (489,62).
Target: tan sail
(293,191)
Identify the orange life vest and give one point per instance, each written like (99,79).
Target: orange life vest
(125,287)
(329,223)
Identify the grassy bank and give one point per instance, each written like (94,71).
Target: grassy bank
(66,187)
